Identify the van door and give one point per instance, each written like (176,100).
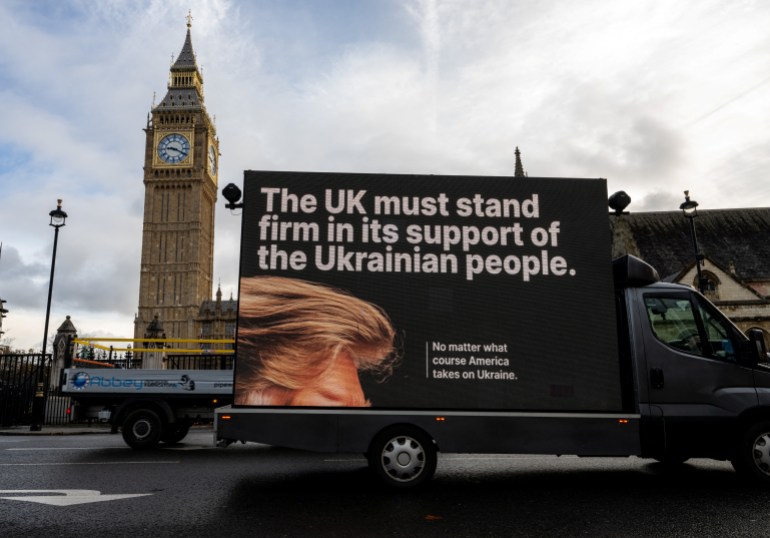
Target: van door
(694,375)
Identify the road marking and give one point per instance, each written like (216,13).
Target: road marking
(67,448)
(42,449)
(457,457)
(189,448)
(87,463)
(66,497)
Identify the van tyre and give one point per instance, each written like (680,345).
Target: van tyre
(173,433)
(403,456)
(142,429)
(752,457)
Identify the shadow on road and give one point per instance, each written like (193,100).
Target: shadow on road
(575,499)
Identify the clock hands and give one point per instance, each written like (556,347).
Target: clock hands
(178,150)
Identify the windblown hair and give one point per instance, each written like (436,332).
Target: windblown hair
(291,331)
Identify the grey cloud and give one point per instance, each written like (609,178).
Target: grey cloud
(22,284)
(657,201)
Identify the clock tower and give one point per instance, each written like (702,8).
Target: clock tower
(181,161)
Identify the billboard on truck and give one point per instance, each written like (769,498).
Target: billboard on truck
(426,292)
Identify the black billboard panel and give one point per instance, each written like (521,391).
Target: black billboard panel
(426,292)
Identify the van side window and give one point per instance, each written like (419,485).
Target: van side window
(673,323)
(718,332)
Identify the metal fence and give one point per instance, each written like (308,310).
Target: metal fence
(200,362)
(171,362)
(19,376)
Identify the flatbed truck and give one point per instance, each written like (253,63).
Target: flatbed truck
(147,406)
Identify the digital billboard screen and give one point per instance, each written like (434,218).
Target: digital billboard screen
(426,292)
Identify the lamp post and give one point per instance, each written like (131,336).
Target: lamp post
(58,217)
(690,210)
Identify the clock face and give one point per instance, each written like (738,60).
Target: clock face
(174,148)
(212,160)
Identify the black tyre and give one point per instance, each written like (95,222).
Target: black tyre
(142,429)
(752,456)
(403,456)
(173,433)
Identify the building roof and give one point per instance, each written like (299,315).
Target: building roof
(223,307)
(186,59)
(184,93)
(732,238)
(67,327)
(217,307)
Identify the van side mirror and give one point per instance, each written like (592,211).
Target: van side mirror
(758,348)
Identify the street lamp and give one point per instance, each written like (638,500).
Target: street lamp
(690,210)
(58,217)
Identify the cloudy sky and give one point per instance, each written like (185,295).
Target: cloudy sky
(654,95)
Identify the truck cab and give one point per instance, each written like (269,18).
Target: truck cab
(700,383)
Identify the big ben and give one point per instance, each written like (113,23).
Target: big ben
(180,178)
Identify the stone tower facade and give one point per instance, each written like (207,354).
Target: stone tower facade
(180,177)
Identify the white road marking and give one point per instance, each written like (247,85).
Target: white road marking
(86,463)
(67,448)
(65,497)
(457,457)
(189,448)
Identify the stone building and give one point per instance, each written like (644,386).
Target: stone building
(736,250)
(217,318)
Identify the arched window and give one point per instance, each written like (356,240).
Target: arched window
(710,285)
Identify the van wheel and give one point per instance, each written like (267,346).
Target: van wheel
(752,457)
(142,429)
(173,433)
(403,456)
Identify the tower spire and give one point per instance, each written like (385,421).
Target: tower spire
(185,81)
(186,59)
(519,169)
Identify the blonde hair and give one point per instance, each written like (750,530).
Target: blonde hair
(291,331)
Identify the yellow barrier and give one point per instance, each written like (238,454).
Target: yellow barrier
(161,349)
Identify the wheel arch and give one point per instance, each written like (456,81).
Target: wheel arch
(160,407)
(752,416)
(400,426)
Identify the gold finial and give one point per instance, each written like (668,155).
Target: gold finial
(189,18)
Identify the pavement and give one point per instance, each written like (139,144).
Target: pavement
(64,429)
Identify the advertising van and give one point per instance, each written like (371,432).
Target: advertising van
(402,315)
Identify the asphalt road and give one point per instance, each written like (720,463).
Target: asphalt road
(193,489)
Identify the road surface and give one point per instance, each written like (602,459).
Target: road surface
(95,486)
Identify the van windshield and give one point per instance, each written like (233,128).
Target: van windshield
(705,332)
